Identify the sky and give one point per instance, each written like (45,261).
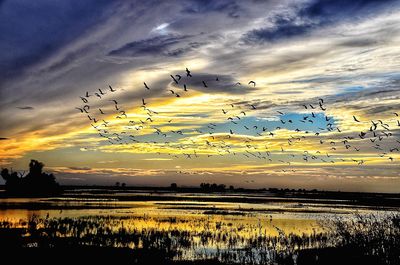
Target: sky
(322,111)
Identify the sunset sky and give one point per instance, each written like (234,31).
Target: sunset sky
(338,58)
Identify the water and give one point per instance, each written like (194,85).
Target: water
(166,209)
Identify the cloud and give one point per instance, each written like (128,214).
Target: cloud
(231,8)
(157,159)
(302,19)
(26,108)
(343,51)
(162,45)
(80,168)
(44,29)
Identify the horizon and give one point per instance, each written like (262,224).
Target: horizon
(298,95)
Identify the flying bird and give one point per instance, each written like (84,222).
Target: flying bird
(173,78)
(188,72)
(111,89)
(145,85)
(252,82)
(354,117)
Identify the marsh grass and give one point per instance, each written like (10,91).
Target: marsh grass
(372,235)
(189,240)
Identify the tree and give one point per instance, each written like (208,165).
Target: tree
(34,183)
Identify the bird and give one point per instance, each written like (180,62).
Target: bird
(184,87)
(97,95)
(252,82)
(144,103)
(322,108)
(173,78)
(101,92)
(354,117)
(204,84)
(101,111)
(188,74)
(111,89)
(113,100)
(84,100)
(81,110)
(179,77)
(87,94)
(145,85)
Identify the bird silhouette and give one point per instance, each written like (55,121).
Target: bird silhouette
(355,119)
(173,78)
(188,74)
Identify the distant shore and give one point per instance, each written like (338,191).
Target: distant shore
(239,195)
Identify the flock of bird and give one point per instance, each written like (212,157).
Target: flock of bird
(240,138)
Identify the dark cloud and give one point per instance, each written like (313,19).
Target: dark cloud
(313,15)
(284,27)
(229,7)
(381,109)
(334,10)
(26,108)
(80,168)
(164,45)
(44,29)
